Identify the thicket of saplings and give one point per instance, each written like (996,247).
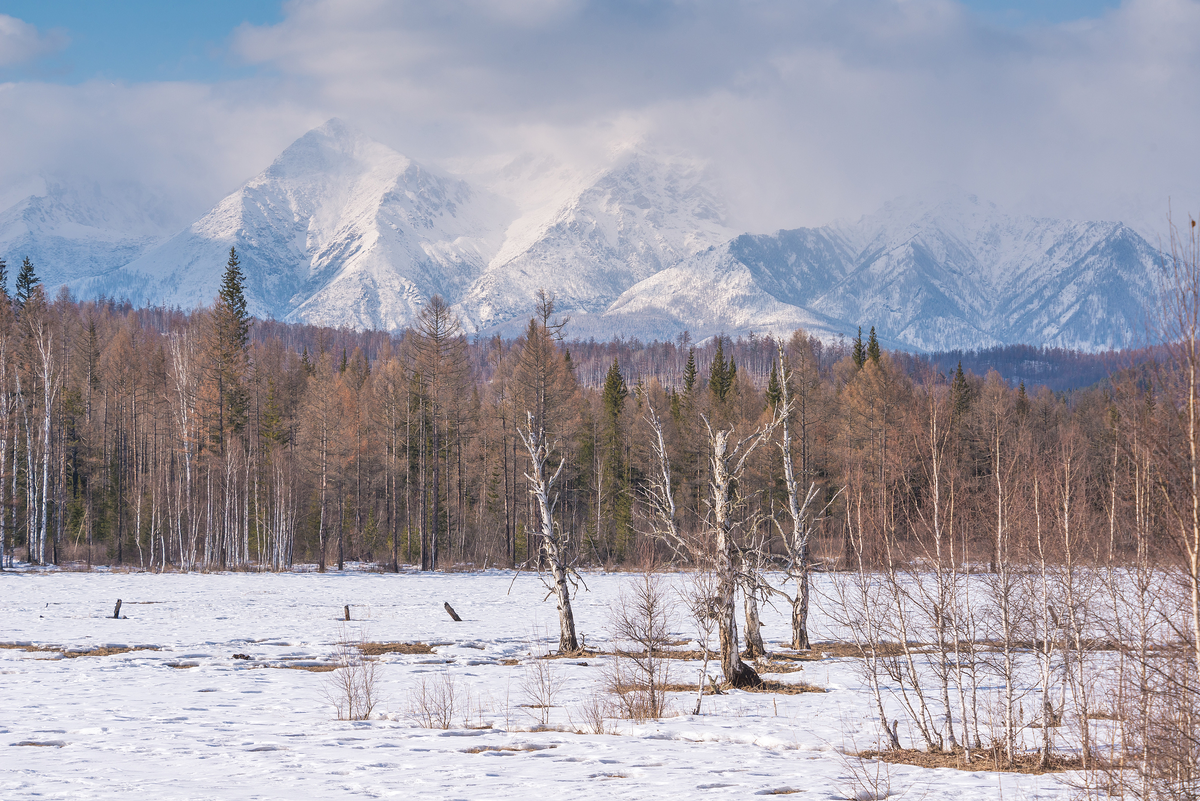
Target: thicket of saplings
(971,531)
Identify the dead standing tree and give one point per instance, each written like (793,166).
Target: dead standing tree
(728,462)
(553,543)
(804,515)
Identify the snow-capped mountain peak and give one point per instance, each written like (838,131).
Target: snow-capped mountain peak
(344,230)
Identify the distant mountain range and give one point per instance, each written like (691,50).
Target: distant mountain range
(343,231)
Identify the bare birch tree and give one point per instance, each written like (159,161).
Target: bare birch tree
(553,541)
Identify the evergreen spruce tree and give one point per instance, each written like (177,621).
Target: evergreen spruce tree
(614,393)
(873,347)
(26,280)
(233,296)
(228,348)
(3,279)
(689,372)
(860,354)
(719,378)
(1022,400)
(774,391)
(960,392)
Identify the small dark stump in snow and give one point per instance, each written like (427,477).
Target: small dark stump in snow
(453,615)
(117,610)
(241,656)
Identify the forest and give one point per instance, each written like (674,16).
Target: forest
(162,439)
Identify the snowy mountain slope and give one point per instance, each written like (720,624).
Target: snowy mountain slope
(958,273)
(1103,298)
(77,231)
(629,222)
(710,294)
(342,230)
(339,230)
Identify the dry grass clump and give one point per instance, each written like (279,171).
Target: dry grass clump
(582,652)
(483,749)
(783,688)
(74,653)
(309,668)
(773,665)
(381,648)
(981,760)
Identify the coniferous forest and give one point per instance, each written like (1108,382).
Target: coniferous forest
(164,439)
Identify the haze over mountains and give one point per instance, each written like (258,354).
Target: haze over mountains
(342,230)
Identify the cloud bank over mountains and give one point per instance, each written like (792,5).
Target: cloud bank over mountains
(807,112)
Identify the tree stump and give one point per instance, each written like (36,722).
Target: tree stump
(117,610)
(454,615)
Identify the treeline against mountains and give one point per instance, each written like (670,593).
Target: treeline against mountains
(205,440)
(1060,369)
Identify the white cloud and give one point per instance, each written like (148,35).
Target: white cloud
(21,42)
(810,110)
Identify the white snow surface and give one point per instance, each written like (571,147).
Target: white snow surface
(190,721)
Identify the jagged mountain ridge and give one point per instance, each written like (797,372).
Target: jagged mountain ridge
(342,230)
(958,274)
(339,230)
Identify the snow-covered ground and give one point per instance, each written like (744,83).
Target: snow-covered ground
(188,720)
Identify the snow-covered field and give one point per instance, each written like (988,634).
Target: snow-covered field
(188,720)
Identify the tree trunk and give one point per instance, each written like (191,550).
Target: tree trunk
(800,612)
(552,544)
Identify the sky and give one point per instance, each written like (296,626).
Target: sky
(805,110)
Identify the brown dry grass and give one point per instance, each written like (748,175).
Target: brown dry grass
(380,648)
(309,668)
(481,749)
(78,652)
(776,687)
(582,652)
(981,760)
(784,688)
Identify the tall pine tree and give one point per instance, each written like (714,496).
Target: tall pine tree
(721,373)
(873,352)
(689,372)
(960,392)
(233,298)
(230,338)
(860,354)
(26,280)
(774,390)
(3,279)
